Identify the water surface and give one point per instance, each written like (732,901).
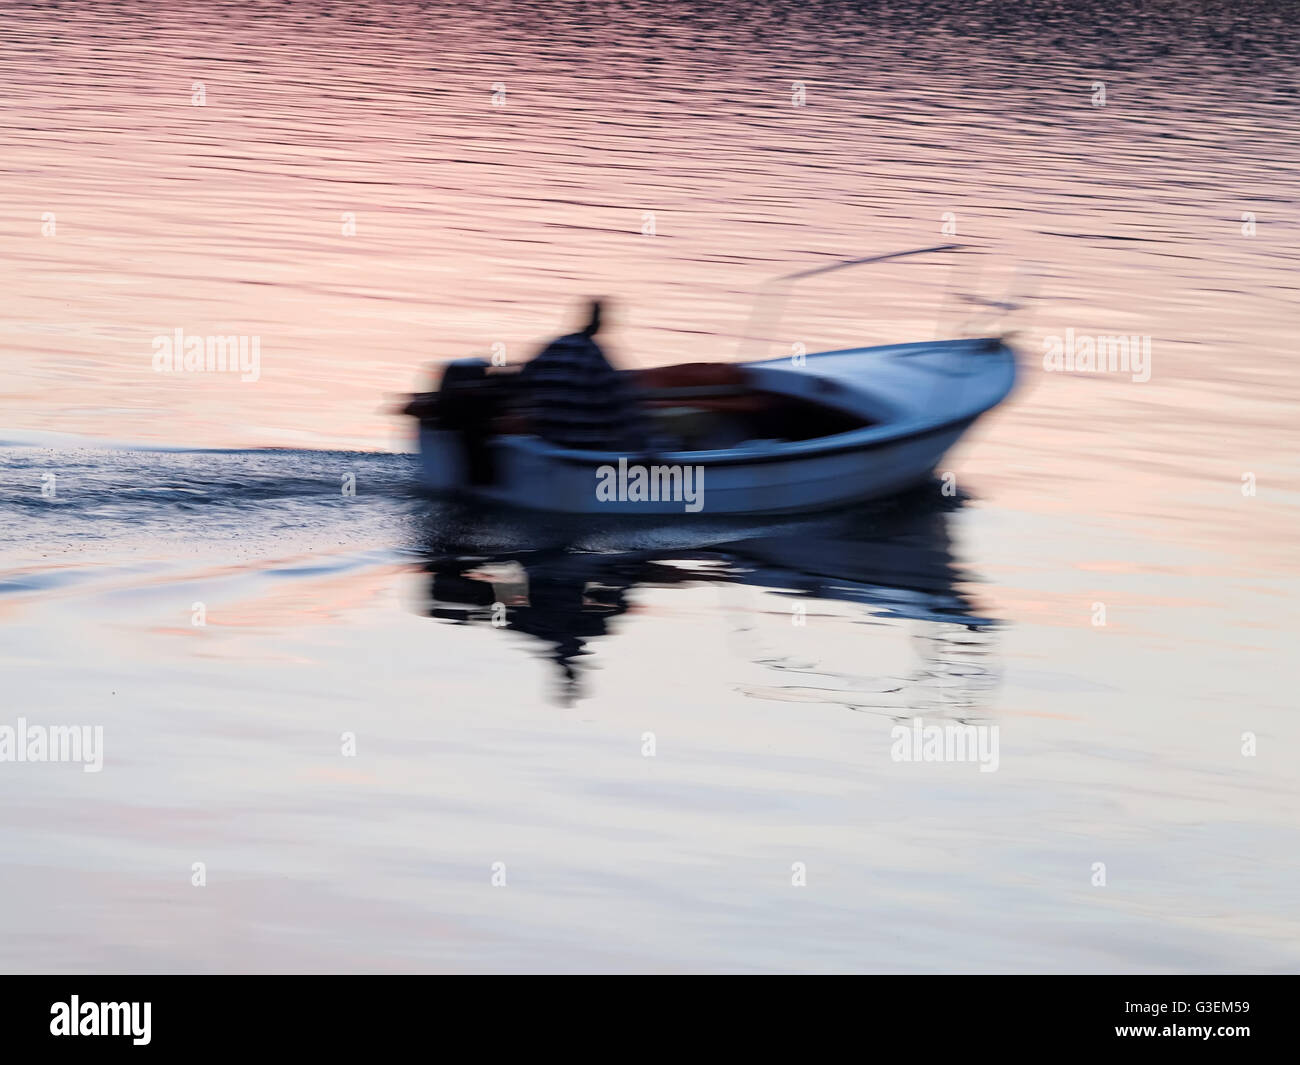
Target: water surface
(350,193)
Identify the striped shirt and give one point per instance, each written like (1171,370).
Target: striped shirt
(578,400)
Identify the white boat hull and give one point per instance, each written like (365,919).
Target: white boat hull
(920,397)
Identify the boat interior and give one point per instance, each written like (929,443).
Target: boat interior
(688,407)
(751,414)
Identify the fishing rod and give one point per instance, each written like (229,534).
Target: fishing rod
(869,259)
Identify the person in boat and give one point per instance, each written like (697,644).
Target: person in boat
(575,397)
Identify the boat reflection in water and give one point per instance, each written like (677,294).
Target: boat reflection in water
(566,585)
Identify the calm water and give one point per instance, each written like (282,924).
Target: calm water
(368,188)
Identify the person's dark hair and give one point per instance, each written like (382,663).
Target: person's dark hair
(593,324)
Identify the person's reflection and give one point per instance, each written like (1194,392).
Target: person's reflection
(569,600)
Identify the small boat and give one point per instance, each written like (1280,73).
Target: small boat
(891,413)
(773,436)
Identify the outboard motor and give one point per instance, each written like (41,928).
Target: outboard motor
(467,403)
